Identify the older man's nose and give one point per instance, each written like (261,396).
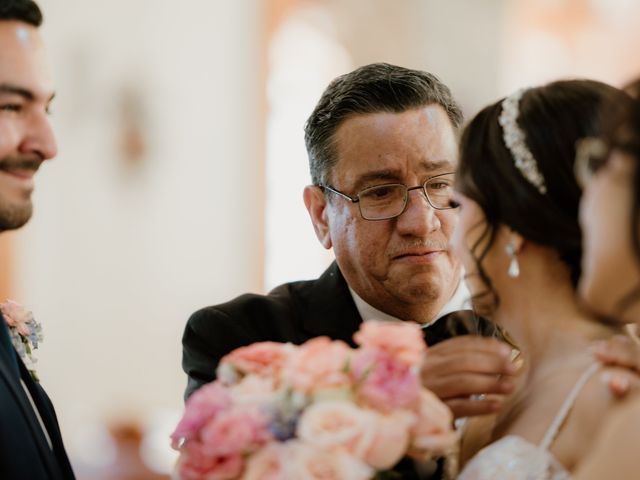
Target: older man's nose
(419,217)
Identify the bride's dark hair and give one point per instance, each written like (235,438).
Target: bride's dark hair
(553,117)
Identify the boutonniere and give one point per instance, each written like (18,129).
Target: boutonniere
(24,331)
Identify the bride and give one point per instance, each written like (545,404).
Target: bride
(519,240)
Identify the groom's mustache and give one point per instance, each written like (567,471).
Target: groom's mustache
(23,162)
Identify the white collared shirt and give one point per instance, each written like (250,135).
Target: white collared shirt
(458,301)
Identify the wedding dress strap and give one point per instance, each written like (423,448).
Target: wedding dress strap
(554,428)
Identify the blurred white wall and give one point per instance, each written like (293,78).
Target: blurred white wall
(117,256)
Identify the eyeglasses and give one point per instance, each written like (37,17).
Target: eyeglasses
(591,155)
(390,200)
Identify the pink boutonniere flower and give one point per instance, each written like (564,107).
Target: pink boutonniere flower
(24,331)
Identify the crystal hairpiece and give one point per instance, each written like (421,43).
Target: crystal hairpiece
(515,140)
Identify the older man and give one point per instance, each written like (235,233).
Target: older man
(382,149)
(30,442)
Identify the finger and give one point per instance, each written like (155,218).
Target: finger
(465,384)
(465,407)
(619,351)
(472,343)
(621,383)
(467,362)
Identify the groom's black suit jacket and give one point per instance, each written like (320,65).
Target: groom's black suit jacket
(24,451)
(293,312)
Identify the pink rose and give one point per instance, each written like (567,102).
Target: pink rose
(390,440)
(235,431)
(383,382)
(433,433)
(401,340)
(17,316)
(254,390)
(337,424)
(201,407)
(378,440)
(305,462)
(318,364)
(263,358)
(267,464)
(195,464)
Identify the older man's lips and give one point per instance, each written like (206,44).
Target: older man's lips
(419,256)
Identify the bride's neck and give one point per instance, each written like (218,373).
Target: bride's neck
(543,318)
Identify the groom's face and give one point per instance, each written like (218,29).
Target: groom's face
(26,137)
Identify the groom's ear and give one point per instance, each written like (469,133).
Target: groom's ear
(316,204)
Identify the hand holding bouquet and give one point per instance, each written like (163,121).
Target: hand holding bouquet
(318,410)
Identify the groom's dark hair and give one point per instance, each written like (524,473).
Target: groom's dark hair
(26,11)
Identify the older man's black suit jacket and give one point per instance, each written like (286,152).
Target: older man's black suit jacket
(24,451)
(293,312)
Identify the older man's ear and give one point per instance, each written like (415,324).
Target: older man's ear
(316,204)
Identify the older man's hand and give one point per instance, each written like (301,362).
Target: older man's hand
(470,374)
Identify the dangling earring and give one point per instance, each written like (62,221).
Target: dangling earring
(514,267)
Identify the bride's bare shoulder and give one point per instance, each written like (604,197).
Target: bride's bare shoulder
(614,452)
(587,419)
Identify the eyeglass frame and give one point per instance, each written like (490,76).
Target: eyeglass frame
(356,199)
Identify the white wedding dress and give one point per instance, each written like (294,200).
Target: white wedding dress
(514,458)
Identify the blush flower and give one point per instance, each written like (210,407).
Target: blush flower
(267,464)
(403,341)
(305,462)
(383,382)
(317,364)
(262,358)
(195,464)
(201,407)
(337,424)
(254,390)
(391,437)
(234,431)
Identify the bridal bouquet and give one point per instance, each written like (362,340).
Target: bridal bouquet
(318,410)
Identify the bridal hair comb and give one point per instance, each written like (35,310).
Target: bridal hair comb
(515,140)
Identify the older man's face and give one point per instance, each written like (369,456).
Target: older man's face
(400,264)
(26,138)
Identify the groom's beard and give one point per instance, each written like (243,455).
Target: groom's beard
(15,212)
(14,216)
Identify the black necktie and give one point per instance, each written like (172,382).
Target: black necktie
(461,322)
(7,346)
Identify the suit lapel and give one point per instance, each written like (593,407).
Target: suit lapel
(337,318)
(48,416)
(22,401)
